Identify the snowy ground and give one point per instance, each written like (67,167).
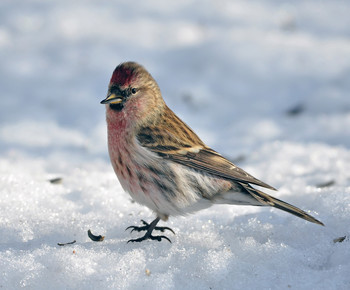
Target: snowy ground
(264,82)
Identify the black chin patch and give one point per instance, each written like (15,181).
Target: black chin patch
(116,107)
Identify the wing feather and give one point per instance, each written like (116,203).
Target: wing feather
(174,140)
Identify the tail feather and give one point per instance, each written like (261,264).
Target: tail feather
(266,199)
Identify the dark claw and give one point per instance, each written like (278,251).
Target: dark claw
(138,229)
(145,223)
(162,229)
(159,238)
(154,238)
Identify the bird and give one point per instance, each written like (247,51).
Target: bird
(163,164)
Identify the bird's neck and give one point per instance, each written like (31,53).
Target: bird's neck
(117,123)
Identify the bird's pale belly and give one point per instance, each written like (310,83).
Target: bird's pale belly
(167,189)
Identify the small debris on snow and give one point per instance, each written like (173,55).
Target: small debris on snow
(65,244)
(326,184)
(57,180)
(94,238)
(339,240)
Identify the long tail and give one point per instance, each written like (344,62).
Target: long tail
(266,199)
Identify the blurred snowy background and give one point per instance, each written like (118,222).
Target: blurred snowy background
(266,83)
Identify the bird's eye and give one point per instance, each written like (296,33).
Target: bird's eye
(133,91)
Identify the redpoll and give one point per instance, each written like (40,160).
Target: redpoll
(163,164)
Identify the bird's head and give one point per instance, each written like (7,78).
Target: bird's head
(133,91)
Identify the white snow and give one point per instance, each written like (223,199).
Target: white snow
(232,70)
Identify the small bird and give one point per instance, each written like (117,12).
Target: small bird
(163,164)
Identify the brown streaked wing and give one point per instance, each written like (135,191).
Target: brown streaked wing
(174,140)
(212,162)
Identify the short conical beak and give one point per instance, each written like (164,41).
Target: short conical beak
(112,99)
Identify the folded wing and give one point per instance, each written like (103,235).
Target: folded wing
(177,142)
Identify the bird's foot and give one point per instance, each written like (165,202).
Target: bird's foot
(150,237)
(149,228)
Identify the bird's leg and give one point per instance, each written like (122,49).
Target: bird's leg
(149,228)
